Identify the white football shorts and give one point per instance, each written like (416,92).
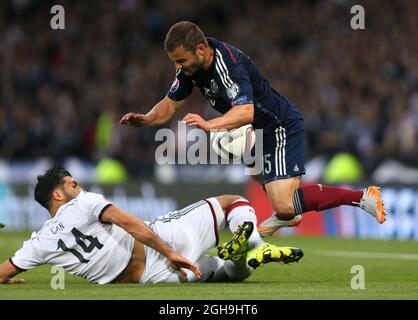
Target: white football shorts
(190,232)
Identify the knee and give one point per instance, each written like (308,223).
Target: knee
(284,209)
(226,200)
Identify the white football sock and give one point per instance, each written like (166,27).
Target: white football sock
(237,271)
(214,269)
(241,213)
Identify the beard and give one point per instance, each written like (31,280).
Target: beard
(190,70)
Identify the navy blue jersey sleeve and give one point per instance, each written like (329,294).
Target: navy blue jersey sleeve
(241,90)
(181,88)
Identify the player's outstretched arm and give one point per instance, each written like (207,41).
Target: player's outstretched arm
(161,113)
(7,272)
(142,233)
(234,118)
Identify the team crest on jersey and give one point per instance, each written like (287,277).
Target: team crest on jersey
(175,85)
(233,91)
(214,87)
(208,95)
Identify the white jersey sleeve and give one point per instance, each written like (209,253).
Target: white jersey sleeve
(29,256)
(93,203)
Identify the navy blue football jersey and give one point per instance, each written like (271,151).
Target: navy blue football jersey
(233,80)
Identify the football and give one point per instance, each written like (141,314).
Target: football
(233,144)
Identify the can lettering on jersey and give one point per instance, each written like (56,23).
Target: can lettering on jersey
(56,228)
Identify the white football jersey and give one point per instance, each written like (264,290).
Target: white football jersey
(77,241)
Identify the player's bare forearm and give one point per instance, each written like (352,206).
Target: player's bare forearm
(162,112)
(137,228)
(234,118)
(142,233)
(7,272)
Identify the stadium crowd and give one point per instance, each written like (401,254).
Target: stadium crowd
(64,91)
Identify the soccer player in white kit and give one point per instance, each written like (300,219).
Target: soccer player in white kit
(90,237)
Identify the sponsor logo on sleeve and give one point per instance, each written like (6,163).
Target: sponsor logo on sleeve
(240,100)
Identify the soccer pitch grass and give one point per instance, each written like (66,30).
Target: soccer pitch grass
(390,269)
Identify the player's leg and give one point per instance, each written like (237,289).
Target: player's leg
(239,216)
(193,230)
(282,171)
(317,197)
(246,248)
(214,269)
(190,232)
(280,193)
(282,183)
(227,211)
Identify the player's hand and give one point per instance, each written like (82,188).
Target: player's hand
(195,120)
(177,262)
(135,119)
(16,281)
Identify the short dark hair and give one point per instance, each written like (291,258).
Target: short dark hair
(47,182)
(186,34)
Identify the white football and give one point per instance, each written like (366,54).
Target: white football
(233,144)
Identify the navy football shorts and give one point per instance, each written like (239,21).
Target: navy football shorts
(283,150)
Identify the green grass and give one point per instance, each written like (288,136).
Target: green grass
(317,276)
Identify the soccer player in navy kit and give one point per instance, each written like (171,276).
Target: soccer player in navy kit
(234,87)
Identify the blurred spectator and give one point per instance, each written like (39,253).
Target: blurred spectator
(358,90)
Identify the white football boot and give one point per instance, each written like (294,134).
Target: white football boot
(372,203)
(272,224)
